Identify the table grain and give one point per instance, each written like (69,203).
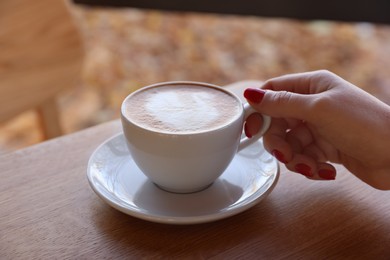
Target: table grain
(49,211)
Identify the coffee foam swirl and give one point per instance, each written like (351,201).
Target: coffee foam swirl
(182,109)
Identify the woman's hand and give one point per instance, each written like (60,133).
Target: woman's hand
(318,119)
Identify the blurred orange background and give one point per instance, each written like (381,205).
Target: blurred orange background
(129,48)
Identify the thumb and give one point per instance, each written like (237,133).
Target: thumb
(278,103)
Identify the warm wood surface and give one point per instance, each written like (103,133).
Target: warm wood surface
(48,211)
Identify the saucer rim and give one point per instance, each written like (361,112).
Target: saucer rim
(130,210)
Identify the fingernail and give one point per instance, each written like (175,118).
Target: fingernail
(278,155)
(246,131)
(254,95)
(327,174)
(303,169)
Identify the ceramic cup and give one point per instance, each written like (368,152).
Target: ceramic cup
(183,135)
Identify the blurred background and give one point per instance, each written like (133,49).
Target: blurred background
(125,49)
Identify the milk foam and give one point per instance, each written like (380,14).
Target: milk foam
(182,109)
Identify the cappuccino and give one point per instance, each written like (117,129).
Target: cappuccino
(181,108)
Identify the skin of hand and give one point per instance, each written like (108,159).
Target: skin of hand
(318,119)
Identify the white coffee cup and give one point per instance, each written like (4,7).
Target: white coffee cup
(183,135)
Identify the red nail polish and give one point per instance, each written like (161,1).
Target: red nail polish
(278,155)
(246,131)
(254,95)
(303,169)
(327,174)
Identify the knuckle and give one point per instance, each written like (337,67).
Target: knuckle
(282,97)
(323,77)
(319,109)
(324,73)
(320,103)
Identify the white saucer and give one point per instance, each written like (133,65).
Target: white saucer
(114,176)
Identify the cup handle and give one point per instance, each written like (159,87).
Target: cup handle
(245,142)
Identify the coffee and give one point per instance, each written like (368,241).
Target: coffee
(182,135)
(181,108)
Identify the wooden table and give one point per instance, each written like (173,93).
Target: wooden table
(48,211)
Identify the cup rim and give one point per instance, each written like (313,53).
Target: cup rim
(182,82)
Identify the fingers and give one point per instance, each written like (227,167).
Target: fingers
(292,143)
(287,99)
(299,137)
(297,83)
(279,104)
(253,124)
(292,96)
(326,171)
(275,141)
(303,83)
(310,168)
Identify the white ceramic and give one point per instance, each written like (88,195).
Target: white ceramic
(115,178)
(186,163)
